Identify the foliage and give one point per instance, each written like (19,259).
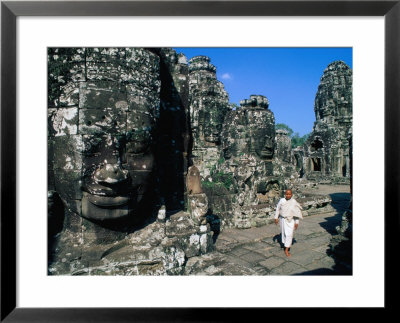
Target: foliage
(284,127)
(294,136)
(219,177)
(215,186)
(225,179)
(299,141)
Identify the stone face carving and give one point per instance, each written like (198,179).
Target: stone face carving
(245,164)
(327,148)
(102,144)
(250,130)
(209,104)
(334,96)
(120,173)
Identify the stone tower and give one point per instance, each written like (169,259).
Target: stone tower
(250,130)
(283,148)
(327,149)
(209,103)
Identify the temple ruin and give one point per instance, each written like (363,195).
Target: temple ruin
(148,161)
(327,150)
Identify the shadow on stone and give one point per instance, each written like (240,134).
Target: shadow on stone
(340,247)
(341,251)
(316,272)
(330,223)
(173,134)
(340,201)
(55,223)
(215,225)
(277,238)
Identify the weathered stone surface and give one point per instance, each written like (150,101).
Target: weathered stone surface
(69,94)
(198,207)
(179,224)
(125,124)
(193,182)
(242,178)
(250,130)
(215,264)
(326,151)
(315,204)
(283,147)
(63,121)
(208,105)
(67,153)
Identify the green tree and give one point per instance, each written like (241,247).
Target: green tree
(284,127)
(298,141)
(295,137)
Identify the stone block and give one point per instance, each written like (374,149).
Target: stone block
(67,153)
(69,94)
(272,262)
(103,71)
(72,228)
(95,234)
(63,121)
(206,242)
(198,204)
(101,95)
(99,150)
(105,54)
(192,246)
(179,225)
(96,121)
(68,184)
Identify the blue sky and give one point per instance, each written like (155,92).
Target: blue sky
(288,77)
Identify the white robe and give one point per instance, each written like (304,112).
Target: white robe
(289,212)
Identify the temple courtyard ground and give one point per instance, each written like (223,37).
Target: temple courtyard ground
(258,251)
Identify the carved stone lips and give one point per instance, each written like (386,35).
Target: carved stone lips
(107,201)
(107,191)
(266,152)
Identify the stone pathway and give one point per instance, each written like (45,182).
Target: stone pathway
(257,251)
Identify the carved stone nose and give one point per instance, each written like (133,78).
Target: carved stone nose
(110,174)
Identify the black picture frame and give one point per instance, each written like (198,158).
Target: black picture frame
(10,10)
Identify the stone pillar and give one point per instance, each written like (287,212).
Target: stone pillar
(209,104)
(333,114)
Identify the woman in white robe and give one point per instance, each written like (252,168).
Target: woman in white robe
(288,213)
